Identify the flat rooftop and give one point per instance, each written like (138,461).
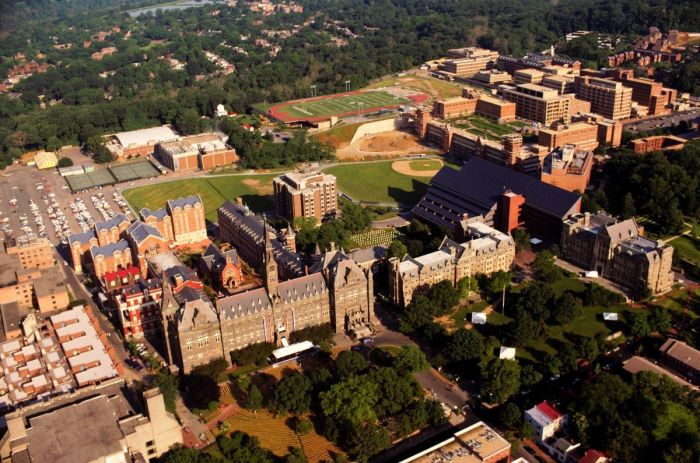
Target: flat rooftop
(82,432)
(475,444)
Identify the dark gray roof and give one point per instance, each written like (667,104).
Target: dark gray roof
(302,287)
(182,202)
(213,256)
(81,238)
(139,231)
(109,249)
(477,187)
(159,214)
(254,227)
(111,223)
(243,303)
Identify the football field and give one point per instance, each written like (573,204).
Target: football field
(341,104)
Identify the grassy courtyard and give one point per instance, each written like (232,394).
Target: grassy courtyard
(487,128)
(214,192)
(377,182)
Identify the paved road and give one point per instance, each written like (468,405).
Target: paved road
(442,389)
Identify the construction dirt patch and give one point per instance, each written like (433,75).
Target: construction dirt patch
(260,188)
(389,141)
(404,167)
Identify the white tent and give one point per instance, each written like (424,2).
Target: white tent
(610,316)
(506,353)
(478,318)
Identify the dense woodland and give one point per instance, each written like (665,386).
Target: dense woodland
(135,88)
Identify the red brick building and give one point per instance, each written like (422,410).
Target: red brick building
(223,268)
(138,306)
(145,241)
(110,258)
(187,215)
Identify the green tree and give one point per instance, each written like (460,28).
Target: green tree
(254,400)
(638,324)
(465,345)
(510,415)
(567,308)
(500,379)
(367,440)
(522,239)
(352,399)
(350,363)
(65,162)
(498,281)
(468,286)
(628,209)
(545,267)
(660,319)
(397,249)
(411,359)
(443,296)
(529,376)
(292,394)
(296,455)
(168,385)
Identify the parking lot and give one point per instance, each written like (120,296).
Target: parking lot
(657,122)
(36,203)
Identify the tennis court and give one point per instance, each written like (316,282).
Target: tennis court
(133,171)
(80,182)
(116,173)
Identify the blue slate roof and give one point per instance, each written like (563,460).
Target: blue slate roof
(182,202)
(81,238)
(159,214)
(109,224)
(139,231)
(109,249)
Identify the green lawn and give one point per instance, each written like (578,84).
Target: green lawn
(214,191)
(426,164)
(374,182)
(460,315)
(485,127)
(337,105)
(688,248)
(435,87)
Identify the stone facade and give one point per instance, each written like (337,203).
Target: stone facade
(488,251)
(336,291)
(618,251)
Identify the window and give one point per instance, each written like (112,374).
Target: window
(188,343)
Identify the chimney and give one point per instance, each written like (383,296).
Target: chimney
(239,201)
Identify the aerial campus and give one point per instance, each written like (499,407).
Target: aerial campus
(292,231)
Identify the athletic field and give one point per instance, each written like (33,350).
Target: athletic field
(340,104)
(254,189)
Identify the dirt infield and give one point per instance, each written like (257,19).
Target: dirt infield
(404,167)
